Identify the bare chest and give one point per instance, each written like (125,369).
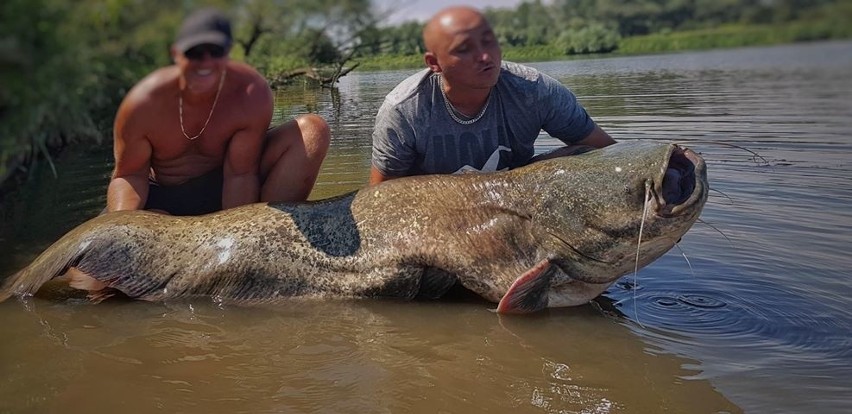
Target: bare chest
(198,131)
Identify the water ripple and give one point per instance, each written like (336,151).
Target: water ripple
(789,326)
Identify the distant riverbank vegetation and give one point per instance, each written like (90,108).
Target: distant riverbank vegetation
(64,66)
(644,27)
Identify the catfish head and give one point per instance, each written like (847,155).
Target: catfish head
(603,213)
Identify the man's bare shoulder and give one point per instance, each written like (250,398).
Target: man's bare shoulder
(153,87)
(146,99)
(248,79)
(251,88)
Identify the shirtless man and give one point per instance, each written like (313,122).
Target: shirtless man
(194,137)
(470,111)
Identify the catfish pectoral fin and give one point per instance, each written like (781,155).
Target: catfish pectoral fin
(529,292)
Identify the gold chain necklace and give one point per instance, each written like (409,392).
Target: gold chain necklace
(452,109)
(216,99)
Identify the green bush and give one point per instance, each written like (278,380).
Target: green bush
(592,38)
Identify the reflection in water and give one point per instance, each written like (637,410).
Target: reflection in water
(337,357)
(757,315)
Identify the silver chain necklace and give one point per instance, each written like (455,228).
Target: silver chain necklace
(216,99)
(452,109)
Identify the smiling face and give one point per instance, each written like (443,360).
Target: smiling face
(462,46)
(201,66)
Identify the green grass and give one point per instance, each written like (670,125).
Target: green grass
(733,36)
(390,62)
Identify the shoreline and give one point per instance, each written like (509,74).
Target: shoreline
(719,38)
(21,164)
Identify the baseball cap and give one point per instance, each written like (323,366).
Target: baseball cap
(204,26)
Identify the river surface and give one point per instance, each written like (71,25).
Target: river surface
(753,312)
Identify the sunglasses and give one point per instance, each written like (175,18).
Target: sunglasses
(198,52)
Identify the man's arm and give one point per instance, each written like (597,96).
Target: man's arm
(598,138)
(241,181)
(128,188)
(392,147)
(377,176)
(563,117)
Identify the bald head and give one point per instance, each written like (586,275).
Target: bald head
(461,46)
(440,29)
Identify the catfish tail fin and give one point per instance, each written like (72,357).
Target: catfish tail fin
(9,285)
(53,262)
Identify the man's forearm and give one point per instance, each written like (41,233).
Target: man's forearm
(598,138)
(127,193)
(240,190)
(377,176)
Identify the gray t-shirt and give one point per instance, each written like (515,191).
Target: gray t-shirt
(415,134)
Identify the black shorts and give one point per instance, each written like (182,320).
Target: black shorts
(199,195)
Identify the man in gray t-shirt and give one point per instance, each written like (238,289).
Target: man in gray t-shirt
(471,112)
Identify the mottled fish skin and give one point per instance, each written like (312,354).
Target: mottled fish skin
(406,237)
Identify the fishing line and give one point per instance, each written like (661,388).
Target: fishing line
(730,200)
(717,230)
(638,248)
(755,155)
(683,253)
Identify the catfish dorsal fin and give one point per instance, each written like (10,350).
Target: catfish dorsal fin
(529,291)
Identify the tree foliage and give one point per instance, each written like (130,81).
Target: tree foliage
(592,38)
(65,68)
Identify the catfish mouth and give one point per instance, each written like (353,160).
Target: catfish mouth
(680,184)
